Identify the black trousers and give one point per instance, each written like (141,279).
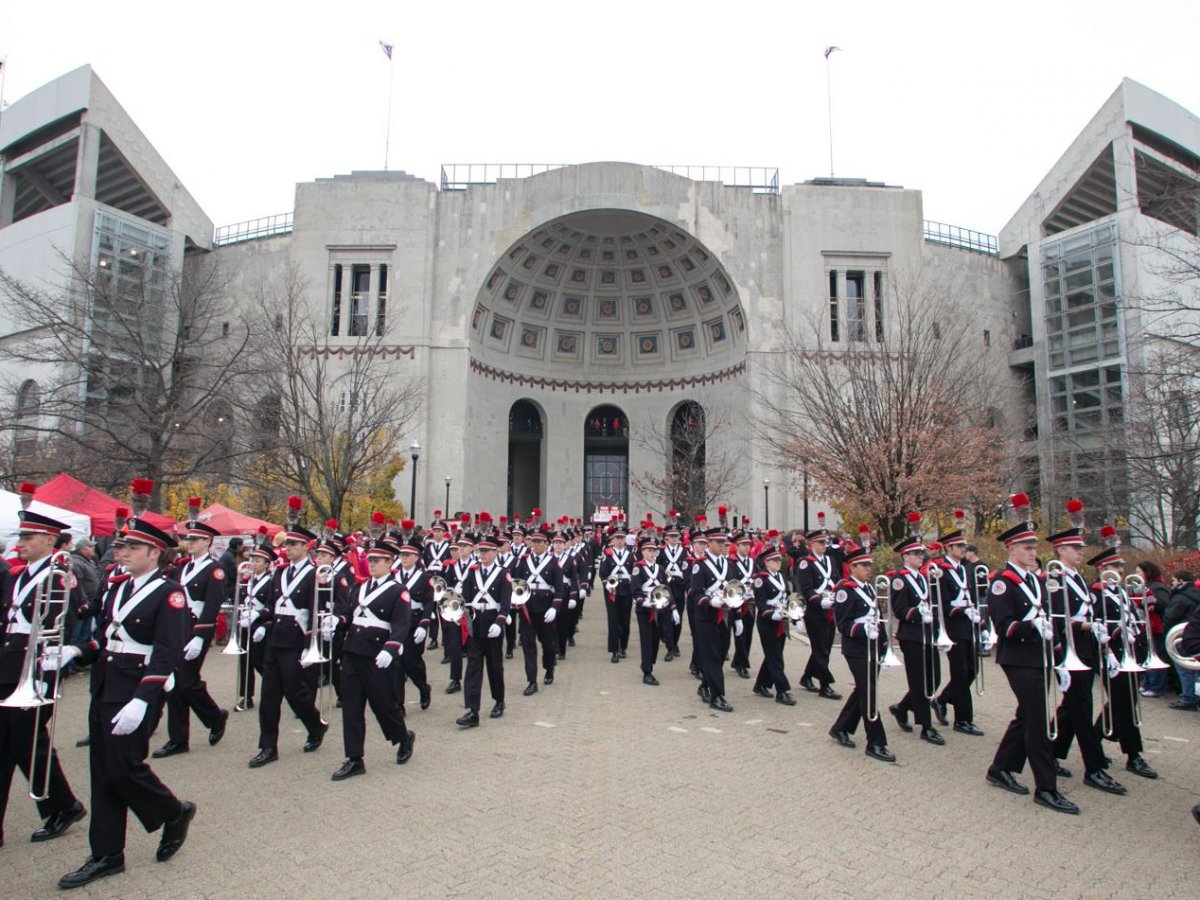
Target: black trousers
(190,695)
(1121,700)
(668,630)
(855,708)
(771,673)
(820,640)
(1075,722)
(434,626)
(18,734)
(1025,737)
(481,652)
(619,611)
(364,682)
(742,643)
(412,666)
(690,609)
(648,636)
(284,678)
(335,659)
(250,664)
(920,659)
(452,647)
(533,632)
(710,639)
(677,593)
(961,660)
(510,635)
(121,780)
(566,623)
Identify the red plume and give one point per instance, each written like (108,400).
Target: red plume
(378,518)
(503,518)
(1109,535)
(864,529)
(674,514)
(407,524)
(295,503)
(722,510)
(465,518)
(140,490)
(697,518)
(122,512)
(28,488)
(332,523)
(195,503)
(1019,502)
(536,513)
(141,486)
(262,529)
(914,517)
(959,516)
(437,513)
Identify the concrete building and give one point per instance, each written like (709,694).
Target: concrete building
(562,317)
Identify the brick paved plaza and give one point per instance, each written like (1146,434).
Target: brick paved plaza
(600,785)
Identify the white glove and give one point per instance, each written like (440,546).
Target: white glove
(1044,628)
(675,616)
(986,639)
(583,593)
(495,630)
(738,627)
(192,650)
(959,604)
(259,633)
(130,717)
(826,601)
(52,661)
(872,631)
(716,601)
(244,618)
(1100,632)
(572,603)
(1114,667)
(973,615)
(383,659)
(328,627)
(419,635)
(1064,680)
(551,615)
(926,613)
(777,615)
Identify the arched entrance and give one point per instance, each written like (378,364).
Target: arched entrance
(688,429)
(605,459)
(525,431)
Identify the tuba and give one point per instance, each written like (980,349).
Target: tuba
(1174,639)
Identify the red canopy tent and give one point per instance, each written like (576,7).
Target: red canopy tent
(228,521)
(69,493)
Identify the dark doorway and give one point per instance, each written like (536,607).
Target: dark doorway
(525,432)
(605,459)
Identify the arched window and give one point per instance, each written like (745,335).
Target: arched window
(525,429)
(605,459)
(29,400)
(688,434)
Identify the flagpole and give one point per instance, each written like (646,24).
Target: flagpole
(829,51)
(388,138)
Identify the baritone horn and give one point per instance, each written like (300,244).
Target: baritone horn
(520,592)
(795,606)
(451,606)
(438,583)
(660,597)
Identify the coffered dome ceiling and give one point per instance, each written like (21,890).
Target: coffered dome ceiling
(618,293)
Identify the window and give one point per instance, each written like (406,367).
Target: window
(224,329)
(833,305)
(381,303)
(937,331)
(335,326)
(359,297)
(856,306)
(987,338)
(877,278)
(360,300)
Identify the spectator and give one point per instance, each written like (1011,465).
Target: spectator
(4,567)
(230,559)
(1155,601)
(1184,598)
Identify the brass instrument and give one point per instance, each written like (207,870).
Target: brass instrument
(795,607)
(875,665)
(1128,665)
(1151,660)
(32,692)
(981,637)
(660,597)
(1174,638)
(520,592)
(734,593)
(239,638)
(928,674)
(612,583)
(438,584)
(452,607)
(1054,575)
(883,597)
(322,587)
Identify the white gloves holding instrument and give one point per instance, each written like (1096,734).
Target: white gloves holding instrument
(52,661)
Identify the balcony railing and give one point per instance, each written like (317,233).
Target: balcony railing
(253,229)
(962,238)
(756,179)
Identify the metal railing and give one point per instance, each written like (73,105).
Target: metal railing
(962,238)
(253,229)
(757,179)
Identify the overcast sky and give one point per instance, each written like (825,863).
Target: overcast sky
(971,103)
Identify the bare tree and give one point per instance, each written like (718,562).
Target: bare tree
(127,370)
(700,464)
(884,428)
(330,419)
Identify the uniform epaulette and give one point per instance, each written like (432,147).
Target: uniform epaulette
(892,573)
(16,569)
(473,567)
(846,583)
(118,578)
(1009,575)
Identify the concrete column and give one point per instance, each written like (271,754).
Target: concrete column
(8,195)
(331,286)
(372,298)
(87,160)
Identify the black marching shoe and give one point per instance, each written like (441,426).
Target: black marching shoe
(175,833)
(622,654)
(650,680)
(249,704)
(616,657)
(1055,801)
(170,748)
(548,678)
(807,684)
(743,672)
(720,704)
(530,689)
(433,644)
(670,656)
(561,655)
(1061,771)
(571,640)
(763,691)
(349,769)
(703,693)
(1139,766)
(842,738)
(829,693)
(218,731)
(785,698)
(56,824)
(497,710)
(445,659)
(939,710)
(405,750)
(263,757)
(968,728)
(881,753)
(454,687)
(508,654)
(693,671)
(901,718)
(84,742)
(426,696)
(1002,779)
(1101,780)
(314,741)
(931,736)
(95,867)
(470,719)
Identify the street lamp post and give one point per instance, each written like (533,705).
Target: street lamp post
(414,451)
(766,503)
(806,499)
(447,509)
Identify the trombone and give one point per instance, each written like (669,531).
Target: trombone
(32,692)
(875,665)
(1152,660)
(1111,582)
(980,636)
(941,642)
(315,655)
(239,637)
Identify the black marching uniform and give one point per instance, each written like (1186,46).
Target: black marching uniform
(814,577)
(258,599)
(1126,639)
(674,561)
(454,634)
(958,599)
(741,569)
(619,603)
(415,582)
(854,607)
(1073,599)
(544,576)
(911,594)
(203,580)
(568,615)
(652,622)
(709,576)
(435,557)
(770,608)
(489,591)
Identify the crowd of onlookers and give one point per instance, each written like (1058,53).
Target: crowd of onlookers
(1169,606)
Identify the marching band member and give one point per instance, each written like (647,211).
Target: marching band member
(1018,611)
(378,629)
(203,580)
(958,589)
(454,636)
(137,646)
(618,561)
(24,730)
(414,580)
(911,604)
(541,571)
(510,551)
(697,550)
(259,598)
(1124,632)
(710,575)
(770,606)
(328,552)
(816,576)
(487,590)
(742,569)
(289,630)
(568,614)
(857,614)
(647,575)
(674,562)
(435,557)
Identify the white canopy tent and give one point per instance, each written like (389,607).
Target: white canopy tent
(10,504)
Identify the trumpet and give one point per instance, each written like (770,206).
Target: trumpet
(520,592)
(52,597)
